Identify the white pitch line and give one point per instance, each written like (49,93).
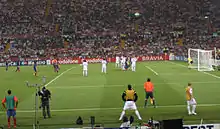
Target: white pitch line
(59,76)
(109,86)
(152,70)
(212,75)
(98,109)
(202,71)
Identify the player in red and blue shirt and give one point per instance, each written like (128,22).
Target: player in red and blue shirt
(55,65)
(35,68)
(11,105)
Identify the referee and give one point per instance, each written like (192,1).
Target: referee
(45,104)
(149,89)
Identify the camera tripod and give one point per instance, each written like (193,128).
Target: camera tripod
(36,103)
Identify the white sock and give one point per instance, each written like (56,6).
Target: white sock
(86,73)
(122,114)
(83,73)
(188,108)
(193,108)
(138,115)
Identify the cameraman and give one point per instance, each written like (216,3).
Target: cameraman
(45,97)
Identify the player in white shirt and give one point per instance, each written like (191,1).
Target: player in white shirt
(121,61)
(133,63)
(117,62)
(104,66)
(85,68)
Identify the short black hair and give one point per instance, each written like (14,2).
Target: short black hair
(9,92)
(129,86)
(148,79)
(44,88)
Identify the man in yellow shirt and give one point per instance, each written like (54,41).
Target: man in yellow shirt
(130,96)
(190,62)
(191,102)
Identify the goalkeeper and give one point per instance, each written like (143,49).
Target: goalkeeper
(190,62)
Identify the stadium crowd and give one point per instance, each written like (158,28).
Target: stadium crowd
(97,28)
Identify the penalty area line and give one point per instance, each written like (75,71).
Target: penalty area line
(59,76)
(103,109)
(152,70)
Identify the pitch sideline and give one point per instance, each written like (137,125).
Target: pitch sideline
(103,86)
(97,109)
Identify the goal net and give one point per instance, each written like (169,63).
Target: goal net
(202,59)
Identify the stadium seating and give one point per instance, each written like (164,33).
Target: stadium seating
(36,28)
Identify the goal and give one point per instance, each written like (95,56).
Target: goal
(202,59)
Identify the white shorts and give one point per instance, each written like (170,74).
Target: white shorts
(130,105)
(191,102)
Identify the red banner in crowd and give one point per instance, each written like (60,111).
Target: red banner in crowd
(68,61)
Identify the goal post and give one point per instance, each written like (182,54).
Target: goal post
(202,59)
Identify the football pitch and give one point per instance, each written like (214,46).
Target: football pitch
(99,94)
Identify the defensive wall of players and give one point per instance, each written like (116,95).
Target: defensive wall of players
(70,60)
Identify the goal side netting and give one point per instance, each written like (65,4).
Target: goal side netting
(202,59)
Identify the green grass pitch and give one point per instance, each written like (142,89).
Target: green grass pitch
(99,94)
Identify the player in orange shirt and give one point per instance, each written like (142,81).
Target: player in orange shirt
(149,89)
(190,100)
